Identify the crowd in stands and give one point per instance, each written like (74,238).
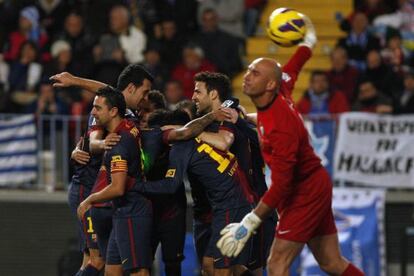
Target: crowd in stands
(372,66)
(174,40)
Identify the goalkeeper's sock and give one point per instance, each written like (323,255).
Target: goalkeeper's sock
(90,270)
(352,270)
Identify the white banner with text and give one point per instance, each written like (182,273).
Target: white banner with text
(375,150)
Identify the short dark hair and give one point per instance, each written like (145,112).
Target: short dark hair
(189,105)
(159,117)
(179,117)
(216,81)
(319,73)
(135,74)
(113,98)
(157,99)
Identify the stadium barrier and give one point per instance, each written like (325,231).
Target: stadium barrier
(49,139)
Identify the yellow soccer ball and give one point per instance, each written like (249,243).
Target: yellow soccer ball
(286,27)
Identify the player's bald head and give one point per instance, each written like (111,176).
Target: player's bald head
(270,67)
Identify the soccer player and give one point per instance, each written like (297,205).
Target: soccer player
(129,247)
(86,169)
(169,222)
(301,189)
(219,175)
(211,90)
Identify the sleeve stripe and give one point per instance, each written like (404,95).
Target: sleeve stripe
(119,166)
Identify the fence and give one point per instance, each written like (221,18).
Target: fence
(387,136)
(54,137)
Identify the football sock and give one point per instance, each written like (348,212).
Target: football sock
(352,270)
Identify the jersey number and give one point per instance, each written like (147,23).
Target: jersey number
(90,227)
(222,161)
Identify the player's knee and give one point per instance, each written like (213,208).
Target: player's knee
(139,272)
(277,265)
(207,267)
(96,260)
(334,267)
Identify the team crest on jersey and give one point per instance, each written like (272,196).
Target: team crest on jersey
(286,77)
(134,131)
(116,158)
(170,173)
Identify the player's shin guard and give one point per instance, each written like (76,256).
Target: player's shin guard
(352,270)
(90,270)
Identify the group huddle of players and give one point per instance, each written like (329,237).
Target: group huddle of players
(128,186)
(128,191)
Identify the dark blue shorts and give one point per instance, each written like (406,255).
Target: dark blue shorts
(169,230)
(202,235)
(86,230)
(220,220)
(130,243)
(102,222)
(262,242)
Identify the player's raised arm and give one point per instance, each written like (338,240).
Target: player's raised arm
(196,126)
(66,79)
(296,62)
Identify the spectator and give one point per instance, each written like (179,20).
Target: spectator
(405,103)
(359,41)
(144,14)
(342,76)
(370,99)
(81,42)
(371,8)
(193,62)
(220,47)
(84,105)
(62,57)
(48,103)
(124,43)
(381,75)
(152,62)
(402,19)
(319,99)
(170,43)
(25,75)
(62,62)
(184,14)
(252,10)
(4,84)
(52,14)
(230,13)
(394,54)
(174,94)
(29,29)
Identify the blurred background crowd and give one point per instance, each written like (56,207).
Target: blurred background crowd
(370,65)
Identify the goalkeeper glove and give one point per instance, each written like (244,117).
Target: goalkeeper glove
(235,235)
(310,37)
